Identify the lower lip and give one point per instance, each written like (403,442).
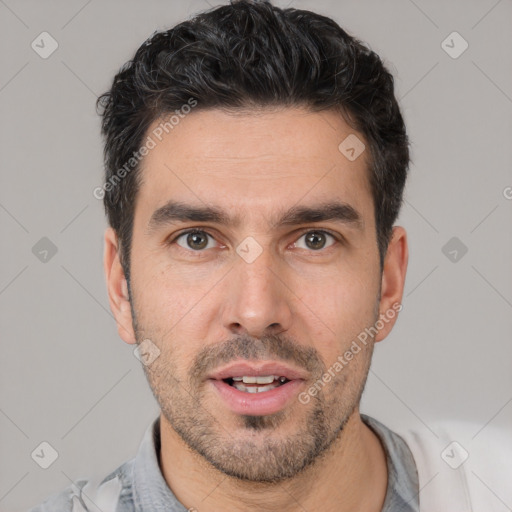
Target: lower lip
(257,404)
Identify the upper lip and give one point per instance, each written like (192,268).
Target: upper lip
(255,369)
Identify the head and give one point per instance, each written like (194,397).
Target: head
(234,123)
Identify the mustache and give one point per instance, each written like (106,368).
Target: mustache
(269,347)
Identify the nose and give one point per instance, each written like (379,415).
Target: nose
(258,297)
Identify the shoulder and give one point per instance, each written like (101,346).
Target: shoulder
(461,465)
(67,500)
(90,495)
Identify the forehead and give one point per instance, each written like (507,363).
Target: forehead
(253,162)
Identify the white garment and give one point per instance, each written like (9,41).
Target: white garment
(450,482)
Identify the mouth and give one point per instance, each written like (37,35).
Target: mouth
(259,384)
(257,388)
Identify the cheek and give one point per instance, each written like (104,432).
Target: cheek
(164,293)
(344,300)
(342,309)
(170,310)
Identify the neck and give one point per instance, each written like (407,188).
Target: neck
(350,476)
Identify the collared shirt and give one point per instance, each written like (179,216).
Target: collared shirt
(139,486)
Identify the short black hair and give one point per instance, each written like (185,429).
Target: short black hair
(248,55)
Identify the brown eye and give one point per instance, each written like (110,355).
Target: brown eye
(195,240)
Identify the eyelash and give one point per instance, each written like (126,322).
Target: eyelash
(338,238)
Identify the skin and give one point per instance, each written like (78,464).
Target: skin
(295,302)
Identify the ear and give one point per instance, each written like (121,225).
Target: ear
(117,288)
(393,280)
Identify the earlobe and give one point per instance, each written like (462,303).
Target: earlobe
(117,288)
(393,281)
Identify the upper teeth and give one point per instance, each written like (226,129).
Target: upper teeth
(260,379)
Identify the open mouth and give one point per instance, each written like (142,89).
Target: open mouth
(257,388)
(256,384)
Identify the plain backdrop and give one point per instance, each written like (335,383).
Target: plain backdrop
(67,378)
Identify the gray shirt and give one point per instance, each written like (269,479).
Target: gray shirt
(139,486)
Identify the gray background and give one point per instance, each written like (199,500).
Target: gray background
(68,379)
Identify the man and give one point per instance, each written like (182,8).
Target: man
(255,164)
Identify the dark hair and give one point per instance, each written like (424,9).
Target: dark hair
(248,55)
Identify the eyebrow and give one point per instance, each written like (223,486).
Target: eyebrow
(175,212)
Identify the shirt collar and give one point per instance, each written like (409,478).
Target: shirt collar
(403,482)
(151,491)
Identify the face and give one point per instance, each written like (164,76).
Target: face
(254,254)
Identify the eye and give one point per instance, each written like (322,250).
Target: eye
(315,240)
(195,239)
